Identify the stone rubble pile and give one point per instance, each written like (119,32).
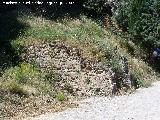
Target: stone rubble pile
(78,76)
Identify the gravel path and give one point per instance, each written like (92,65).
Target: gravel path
(144,104)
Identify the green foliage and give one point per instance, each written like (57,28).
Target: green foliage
(116,66)
(25,74)
(22,73)
(18,47)
(95,5)
(137,77)
(141,20)
(60,96)
(14,87)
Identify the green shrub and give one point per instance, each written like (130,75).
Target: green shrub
(18,47)
(22,73)
(116,65)
(95,5)
(137,78)
(25,75)
(141,19)
(60,96)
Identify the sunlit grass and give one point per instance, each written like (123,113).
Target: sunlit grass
(88,36)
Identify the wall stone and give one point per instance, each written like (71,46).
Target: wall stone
(78,75)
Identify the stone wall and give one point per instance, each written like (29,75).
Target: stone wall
(77,75)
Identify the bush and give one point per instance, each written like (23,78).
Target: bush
(18,78)
(136,77)
(96,5)
(100,7)
(60,96)
(141,19)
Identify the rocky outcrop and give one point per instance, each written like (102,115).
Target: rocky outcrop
(77,75)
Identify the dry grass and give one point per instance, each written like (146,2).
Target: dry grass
(88,36)
(82,33)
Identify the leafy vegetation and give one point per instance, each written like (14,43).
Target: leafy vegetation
(140,19)
(82,32)
(24,78)
(60,96)
(95,5)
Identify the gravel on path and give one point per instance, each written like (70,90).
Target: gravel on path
(144,104)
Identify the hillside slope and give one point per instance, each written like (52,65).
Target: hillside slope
(63,60)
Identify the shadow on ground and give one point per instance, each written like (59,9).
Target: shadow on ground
(10,28)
